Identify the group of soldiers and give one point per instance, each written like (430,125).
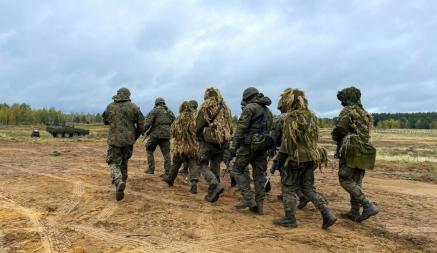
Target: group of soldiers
(199,140)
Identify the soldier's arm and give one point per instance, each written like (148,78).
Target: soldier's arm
(149,119)
(105,117)
(243,124)
(140,121)
(341,128)
(171,114)
(200,123)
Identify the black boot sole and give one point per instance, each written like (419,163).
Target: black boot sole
(329,223)
(216,196)
(119,194)
(363,218)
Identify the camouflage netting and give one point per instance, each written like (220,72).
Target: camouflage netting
(222,123)
(300,130)
(183,131)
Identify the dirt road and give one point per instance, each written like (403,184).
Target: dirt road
(56,197)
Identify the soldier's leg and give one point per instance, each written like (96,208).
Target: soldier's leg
(290,185)
(259,168)
(114,159)
(216,159)
(173,173)
(164,145)
(349,183)
(308,189)
(194,174)
(369,209)
(150,148)
(239,171)
(127,154)
(184,169)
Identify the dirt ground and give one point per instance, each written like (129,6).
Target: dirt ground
(55,196)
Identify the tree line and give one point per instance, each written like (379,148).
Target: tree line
(23,114)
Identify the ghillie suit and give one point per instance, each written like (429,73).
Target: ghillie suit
(214,130)
(126,124)
(299,156)
(158,123)
(185,148)
(251,143)
(355,152)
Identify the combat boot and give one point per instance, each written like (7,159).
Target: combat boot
(288,221)
(214,194)
(193,189)
(280,197)
(368,210)
(328,217)
(258,209)
(303,202)
(168,180)
(149,171)
(246,204)
(119,192)
(353,214)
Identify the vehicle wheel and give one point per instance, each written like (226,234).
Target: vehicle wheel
(59,135)
(76,134)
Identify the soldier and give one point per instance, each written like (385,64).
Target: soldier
(194,105)
(214,130)
(353,125)
(126,124)
(251,142)
(299,156)
(185,148)
(158,123)
(276,135)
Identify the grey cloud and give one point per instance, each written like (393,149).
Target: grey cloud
(73,55)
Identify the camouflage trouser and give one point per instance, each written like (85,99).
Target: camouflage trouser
(351,180)
(258,160)
(211,155)
(193,167)
(117,159)
(164,146)
(300,177)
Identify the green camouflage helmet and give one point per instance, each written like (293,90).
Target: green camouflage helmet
(159,101)
(349,96)
(249,92)
(123,94)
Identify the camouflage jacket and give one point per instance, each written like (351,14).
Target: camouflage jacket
(158,122)
(276,132)
(353,119)
(126,123)
(255,118)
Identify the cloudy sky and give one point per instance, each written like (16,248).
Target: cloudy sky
(74,55)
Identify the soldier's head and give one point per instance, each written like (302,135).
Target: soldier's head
(249,94)
(159,101)
(194,104)
(123,94)
(349,96)
(293,99)
(212,92)
(185,107)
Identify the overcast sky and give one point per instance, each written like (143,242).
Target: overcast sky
(74,55)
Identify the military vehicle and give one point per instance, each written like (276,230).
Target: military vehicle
(35,134)
(66,131)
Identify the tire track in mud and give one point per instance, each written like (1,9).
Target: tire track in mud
(46,240)
(70,205)
(107,211)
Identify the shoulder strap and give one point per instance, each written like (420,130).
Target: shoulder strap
(216,113)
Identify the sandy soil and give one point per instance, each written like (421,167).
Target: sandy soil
(57,197)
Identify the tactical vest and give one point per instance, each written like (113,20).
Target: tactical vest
(163,117)
(259,126)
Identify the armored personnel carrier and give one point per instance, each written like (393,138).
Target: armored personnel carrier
(66,131)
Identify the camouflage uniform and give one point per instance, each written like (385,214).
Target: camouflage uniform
(254,124)
(185,149)
(276,134)
(353,120)
(158,123)
(184,169)
(209,118)
(299,156)
(126,124)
